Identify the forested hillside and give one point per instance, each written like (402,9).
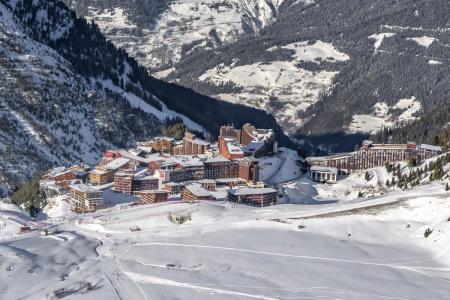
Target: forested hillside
(332,67)
(67,94)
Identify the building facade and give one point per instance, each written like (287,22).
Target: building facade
(195,192)
(84,198)
(253,196)
(372,155)
(323,174)
(155,196)
(256,142)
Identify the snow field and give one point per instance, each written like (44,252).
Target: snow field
(295,88)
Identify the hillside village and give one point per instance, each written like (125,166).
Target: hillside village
(165,169)
(238,168)
(169,213)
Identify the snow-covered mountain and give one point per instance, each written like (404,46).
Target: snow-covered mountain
(67,94)
(331,245)
(321,68)
(159,33)
(328,67)
(49,113)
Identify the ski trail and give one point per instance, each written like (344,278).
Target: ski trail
(337,260)
(161,281)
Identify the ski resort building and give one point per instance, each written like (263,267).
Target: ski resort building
(104,172)
(253,196)
(371,155)
(154,196)
(60,174)
(191,145)
(220,167)
(248,169)
(173,188)
(159,144)
(131,182)
(195,192)
(84,198)
(208,184)
(247,141)
(323,174)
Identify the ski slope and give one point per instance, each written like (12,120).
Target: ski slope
(231,251)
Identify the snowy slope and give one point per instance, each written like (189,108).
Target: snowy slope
(50,113)
(281,87)
(181,27)
(238,252)
(382,116)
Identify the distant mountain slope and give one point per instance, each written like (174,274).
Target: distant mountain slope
(67,93)
(158,33)
(328,67)
(50,114)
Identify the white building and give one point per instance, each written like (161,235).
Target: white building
(323,174)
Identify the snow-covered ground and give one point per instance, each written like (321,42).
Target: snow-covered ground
(281,167)
(382,115)
(182,27)
(379,38)
(424,41)
(294,88)
(231,251)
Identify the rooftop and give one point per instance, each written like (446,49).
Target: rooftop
(251,191)
(154,192)
(198,190)
(132,156)
(324,169)
(84,188)
(117,163)
(429,147)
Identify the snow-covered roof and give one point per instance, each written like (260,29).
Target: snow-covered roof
(251,191)
(171,183)
(333,156)
(233,147)
(97,171)
(254,146)
(84,188)
(429,147)
(228,180)
(217,159)
(153,192)
(132,156)
(146,176)
(58,171)
(324,169)
(198,190)
(207,181)
(117,163)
